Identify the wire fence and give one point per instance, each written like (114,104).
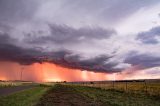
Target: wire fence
(140,86)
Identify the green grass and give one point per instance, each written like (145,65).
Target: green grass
(27,97)
(118,98)
(108,97)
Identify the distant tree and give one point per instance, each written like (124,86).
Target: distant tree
(91,82)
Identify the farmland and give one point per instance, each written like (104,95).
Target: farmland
(94,93)
(75,95)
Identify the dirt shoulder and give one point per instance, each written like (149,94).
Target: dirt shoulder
(62,95)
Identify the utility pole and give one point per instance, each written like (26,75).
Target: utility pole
(42,59)
(42,72)
(21,73)
(113,81)
(114,76)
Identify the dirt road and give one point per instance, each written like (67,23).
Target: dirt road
(66,96)
(10,90)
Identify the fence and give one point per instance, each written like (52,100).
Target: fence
(137,86)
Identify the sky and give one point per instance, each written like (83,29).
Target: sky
(88,40)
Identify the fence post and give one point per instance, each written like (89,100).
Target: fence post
(126,86)
(145,86)
(113,84)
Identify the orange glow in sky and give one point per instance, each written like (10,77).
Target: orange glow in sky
(48,72)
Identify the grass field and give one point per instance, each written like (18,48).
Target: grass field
(74,95)
(87,94)
(27,97)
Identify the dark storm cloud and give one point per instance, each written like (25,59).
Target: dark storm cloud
(149,37)
(144,60)
(5,38)
(65,58)
(17,54)
(97,64)
(63,34)
(10,52)
(62,58)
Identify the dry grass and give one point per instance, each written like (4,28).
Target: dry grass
(151,88)
(12,83)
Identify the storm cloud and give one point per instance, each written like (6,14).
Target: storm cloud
(150,37)
(143,60)
(63,34)
(90,35)
(62,58)
(65,58)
